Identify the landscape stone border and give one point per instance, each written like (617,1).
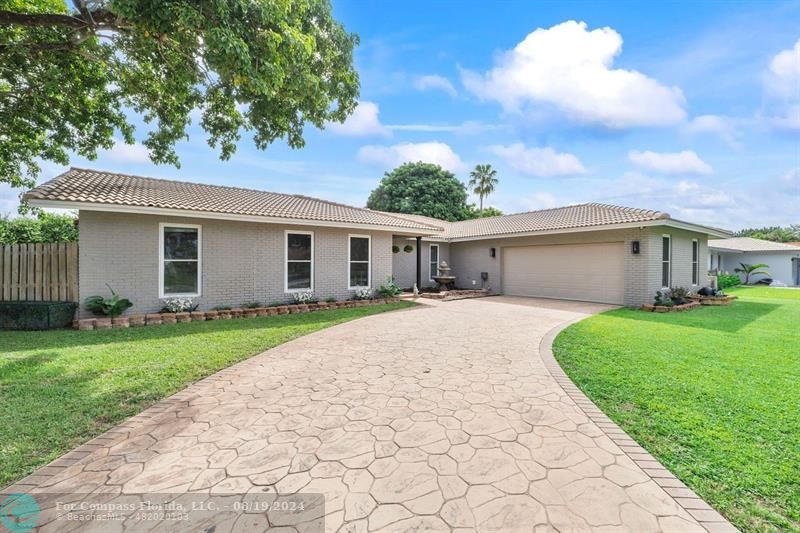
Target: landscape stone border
(156,319)
(706,515)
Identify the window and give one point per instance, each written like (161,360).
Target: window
(433,261)
(299,261)
(695,261)
(179,255)
(358,251)
(666,260)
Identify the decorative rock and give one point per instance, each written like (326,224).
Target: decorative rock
(168,318)
(102,323)
(86,324)
(198,316)
(225,314)
(250,313)
(237,312)
(136,320)
(120,322)
(75,324)
(262,311)
(212,315)
(153,319)
(283,310)
(293,308)
(183,317)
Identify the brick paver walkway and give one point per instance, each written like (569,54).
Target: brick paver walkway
(435,418)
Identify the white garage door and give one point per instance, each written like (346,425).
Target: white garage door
(588,272)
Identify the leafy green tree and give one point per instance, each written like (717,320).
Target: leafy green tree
(46,227)
(482,181)
(773,233)
(490,212)
(70,75)
(751,270)
(421,189)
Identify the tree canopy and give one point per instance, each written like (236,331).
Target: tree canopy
(46,227)
(773,233)
(422,189)
(483,180)
(70,76)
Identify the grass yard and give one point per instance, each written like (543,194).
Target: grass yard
(713,393)
(58,389)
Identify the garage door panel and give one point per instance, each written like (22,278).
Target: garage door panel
(589,272)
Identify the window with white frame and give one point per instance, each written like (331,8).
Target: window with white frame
(179,254)
(433,261)
(299,261)
(666,260)
(358,253)
(695,261)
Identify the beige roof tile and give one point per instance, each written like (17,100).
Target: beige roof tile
(560,218)
(97,187)
(749,244)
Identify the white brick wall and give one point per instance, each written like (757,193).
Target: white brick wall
(242,261)
(404,265)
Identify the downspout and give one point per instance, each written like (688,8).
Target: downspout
(419,263)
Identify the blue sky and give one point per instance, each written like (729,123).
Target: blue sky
(691,108)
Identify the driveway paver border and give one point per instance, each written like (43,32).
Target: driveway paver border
(706,515)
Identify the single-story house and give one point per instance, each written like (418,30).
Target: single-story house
(783,259)
(150,239)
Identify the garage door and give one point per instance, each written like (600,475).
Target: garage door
(588,272)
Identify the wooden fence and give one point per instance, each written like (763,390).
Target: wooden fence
(39,272)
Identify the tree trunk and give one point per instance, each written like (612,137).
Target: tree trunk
(481,197)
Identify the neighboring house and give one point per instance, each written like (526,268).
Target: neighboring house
(150,239)
(783,259)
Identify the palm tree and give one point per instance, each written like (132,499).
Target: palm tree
(751,270)
(482,181)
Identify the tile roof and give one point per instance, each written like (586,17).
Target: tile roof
(108,188)
(559,218)
(749,244)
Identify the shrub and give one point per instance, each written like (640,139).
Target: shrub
(112,307)
(251,305)
(395,249)
(36,315)
(663,299)
(330,299)
(305,297)
(728,280)
(178,304)
(221,308)
(679,295)
(364,293)
(390,289)
(408,248)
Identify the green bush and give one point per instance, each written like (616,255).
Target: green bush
(389,289)
(728,280)
(408,248)
(112,307)
(46,227)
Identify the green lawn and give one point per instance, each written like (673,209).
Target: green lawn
(59,389)
(713,393)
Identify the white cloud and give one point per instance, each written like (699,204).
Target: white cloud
(722,127)
(125,153)
(685,162)
(429,152)
(791,181)
(534,161)
(569,67)
(468,127)
(363,122)
(435,82)
(685,187)
(782,89)
(539,200)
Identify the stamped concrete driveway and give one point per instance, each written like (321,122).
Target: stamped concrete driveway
(435,418)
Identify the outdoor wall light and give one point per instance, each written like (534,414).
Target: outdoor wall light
(492,252)
(635,247)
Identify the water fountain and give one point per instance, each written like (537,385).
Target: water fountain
(444,280)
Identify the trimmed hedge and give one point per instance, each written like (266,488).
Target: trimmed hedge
(36,315)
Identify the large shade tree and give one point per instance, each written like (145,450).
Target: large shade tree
(70,75)
(422,189)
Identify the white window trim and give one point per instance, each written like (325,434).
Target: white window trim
(368,261)
(695,263)
(438,260)
(199,229)
(286,234)
(669,261)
